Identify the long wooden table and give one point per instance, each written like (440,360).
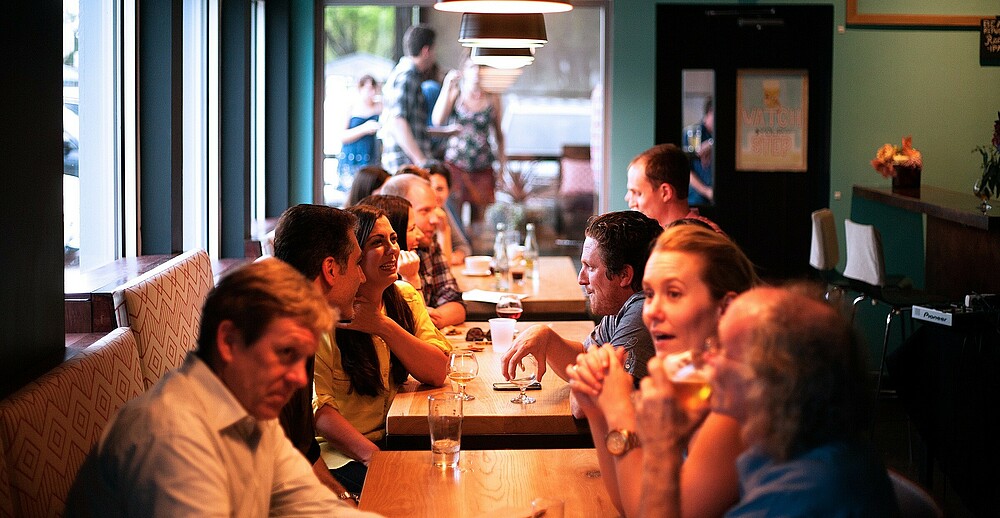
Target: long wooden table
(556,294)
(491,420)
(496,483)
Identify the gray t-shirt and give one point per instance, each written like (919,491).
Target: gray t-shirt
(626,330)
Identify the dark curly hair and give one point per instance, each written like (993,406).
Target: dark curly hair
(624,238)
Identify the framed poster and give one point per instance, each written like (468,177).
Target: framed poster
(772,126)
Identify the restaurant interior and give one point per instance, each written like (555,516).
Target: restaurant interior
(190,126)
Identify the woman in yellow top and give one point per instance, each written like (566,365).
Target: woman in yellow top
(390,338)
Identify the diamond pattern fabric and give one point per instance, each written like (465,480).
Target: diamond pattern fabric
(163,309)
(49,426)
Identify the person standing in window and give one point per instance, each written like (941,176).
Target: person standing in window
(359,147)
(404,114)
(701,192)
(470,154)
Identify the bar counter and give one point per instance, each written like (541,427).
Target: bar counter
(963,243)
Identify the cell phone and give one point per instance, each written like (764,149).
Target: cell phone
(506,385)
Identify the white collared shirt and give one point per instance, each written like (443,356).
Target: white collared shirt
(188,448)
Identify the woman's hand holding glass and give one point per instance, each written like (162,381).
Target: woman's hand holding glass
(662,421)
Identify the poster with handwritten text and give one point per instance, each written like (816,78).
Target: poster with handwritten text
(989,41)
(772,108)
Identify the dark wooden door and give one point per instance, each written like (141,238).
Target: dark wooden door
(766,212)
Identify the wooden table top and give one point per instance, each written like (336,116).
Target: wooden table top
(958,207)
(492,413)
(495,483)
(555,292)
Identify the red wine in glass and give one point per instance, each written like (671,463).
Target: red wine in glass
(509,307)
(514,313)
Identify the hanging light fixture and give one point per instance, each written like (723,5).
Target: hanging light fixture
(503,6)
(502,30)
(507,59)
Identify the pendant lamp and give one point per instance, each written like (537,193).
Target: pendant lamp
(502,30)
(507,59)
(503,6)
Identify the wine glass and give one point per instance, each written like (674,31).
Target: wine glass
(463,368)
(983,193)
(525,374)
(509,306)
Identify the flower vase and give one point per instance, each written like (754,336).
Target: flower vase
(907,181)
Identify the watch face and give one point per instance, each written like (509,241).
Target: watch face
(615,442)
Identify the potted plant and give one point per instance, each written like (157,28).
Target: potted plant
(901,163)
(988,185)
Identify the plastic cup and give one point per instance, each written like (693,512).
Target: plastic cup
(502,331)
(444,418)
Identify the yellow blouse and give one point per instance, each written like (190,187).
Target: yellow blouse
(366,413)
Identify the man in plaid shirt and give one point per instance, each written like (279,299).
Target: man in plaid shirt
(404,112)
(440,289)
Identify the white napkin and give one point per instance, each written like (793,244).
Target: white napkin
(490,297)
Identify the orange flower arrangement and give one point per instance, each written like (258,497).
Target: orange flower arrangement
(889,157)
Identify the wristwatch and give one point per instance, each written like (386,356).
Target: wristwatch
(620,442)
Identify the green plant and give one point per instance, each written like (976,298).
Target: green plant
(989,183)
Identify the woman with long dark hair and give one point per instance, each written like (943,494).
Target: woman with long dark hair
(390,338)
(403,221)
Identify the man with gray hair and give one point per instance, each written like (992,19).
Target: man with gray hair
(440,290)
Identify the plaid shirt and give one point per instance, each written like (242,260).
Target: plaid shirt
(402,97)
(439,284)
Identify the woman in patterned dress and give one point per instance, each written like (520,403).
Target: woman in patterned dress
(470,153)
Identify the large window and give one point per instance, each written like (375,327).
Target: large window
(90,129)
(554,105)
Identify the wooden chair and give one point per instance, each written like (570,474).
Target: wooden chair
(163,308)
(48,427)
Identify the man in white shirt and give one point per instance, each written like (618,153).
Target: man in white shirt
(205,440)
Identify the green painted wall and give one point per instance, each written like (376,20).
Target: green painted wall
(300,110)
(887,83)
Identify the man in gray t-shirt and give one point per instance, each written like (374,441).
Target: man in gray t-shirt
(613,260)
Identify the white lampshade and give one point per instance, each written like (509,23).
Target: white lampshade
(508,58)
(503,6)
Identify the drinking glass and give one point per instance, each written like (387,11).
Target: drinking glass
(509,306)
(444,418)
(462,369)
(527,370)
(689,371)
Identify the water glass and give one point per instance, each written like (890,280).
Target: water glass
(444,418)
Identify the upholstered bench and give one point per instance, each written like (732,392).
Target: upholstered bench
(49,426)
(163,308)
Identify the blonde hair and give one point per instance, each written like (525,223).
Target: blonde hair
(725,267)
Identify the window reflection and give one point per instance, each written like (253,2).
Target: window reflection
(697,133)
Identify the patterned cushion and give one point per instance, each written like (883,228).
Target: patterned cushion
(163,309)
(48,427)
(6,501)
